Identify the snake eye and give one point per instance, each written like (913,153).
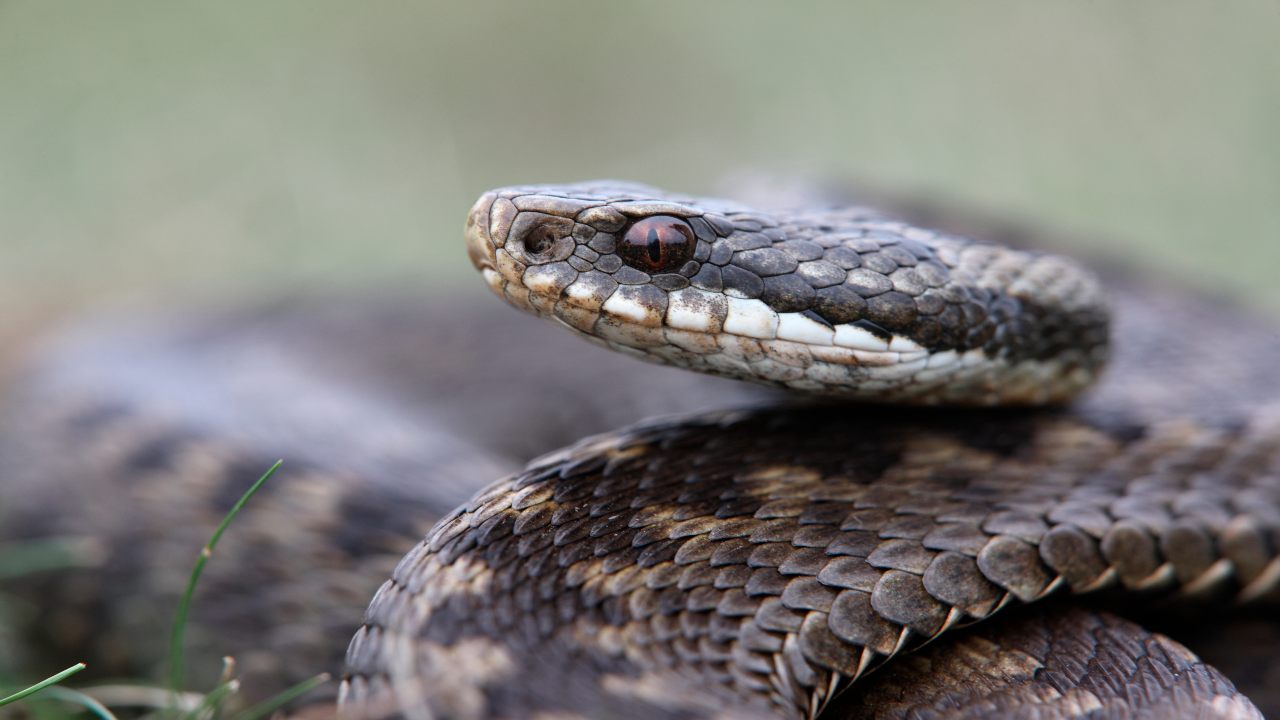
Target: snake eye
(657,244)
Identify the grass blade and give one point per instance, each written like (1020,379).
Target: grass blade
(52,680)
(270,705)
(211,705)
(79,698)
(124,695)
(177,670)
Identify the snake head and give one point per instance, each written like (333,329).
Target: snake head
(837,301)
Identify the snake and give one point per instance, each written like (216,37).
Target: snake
(964,476)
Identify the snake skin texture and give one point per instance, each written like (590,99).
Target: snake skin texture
(763,562)
(797,550)
(1031,666)
(742,562)
(837,302)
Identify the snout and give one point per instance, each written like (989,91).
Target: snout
(480,247)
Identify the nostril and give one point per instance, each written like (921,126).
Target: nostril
(540,240)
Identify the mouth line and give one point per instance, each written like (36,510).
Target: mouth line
(860,353)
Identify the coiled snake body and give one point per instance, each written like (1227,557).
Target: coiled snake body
(749,562)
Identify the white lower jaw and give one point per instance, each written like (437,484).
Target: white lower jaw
(745,339)
(970,378)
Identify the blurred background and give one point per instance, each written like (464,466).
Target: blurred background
(151,150)
(182,152)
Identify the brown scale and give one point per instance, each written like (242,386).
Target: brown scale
(764,573)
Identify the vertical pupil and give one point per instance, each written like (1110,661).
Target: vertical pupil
(654,246)
(657,244)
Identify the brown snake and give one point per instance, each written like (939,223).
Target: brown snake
(738,563)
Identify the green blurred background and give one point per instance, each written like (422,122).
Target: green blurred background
(160,148)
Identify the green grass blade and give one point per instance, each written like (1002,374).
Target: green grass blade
(212,703)
(79,698)
(270,705)
(53,680)
(177,670)
(147,697)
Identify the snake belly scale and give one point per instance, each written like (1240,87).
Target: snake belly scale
(946,451)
